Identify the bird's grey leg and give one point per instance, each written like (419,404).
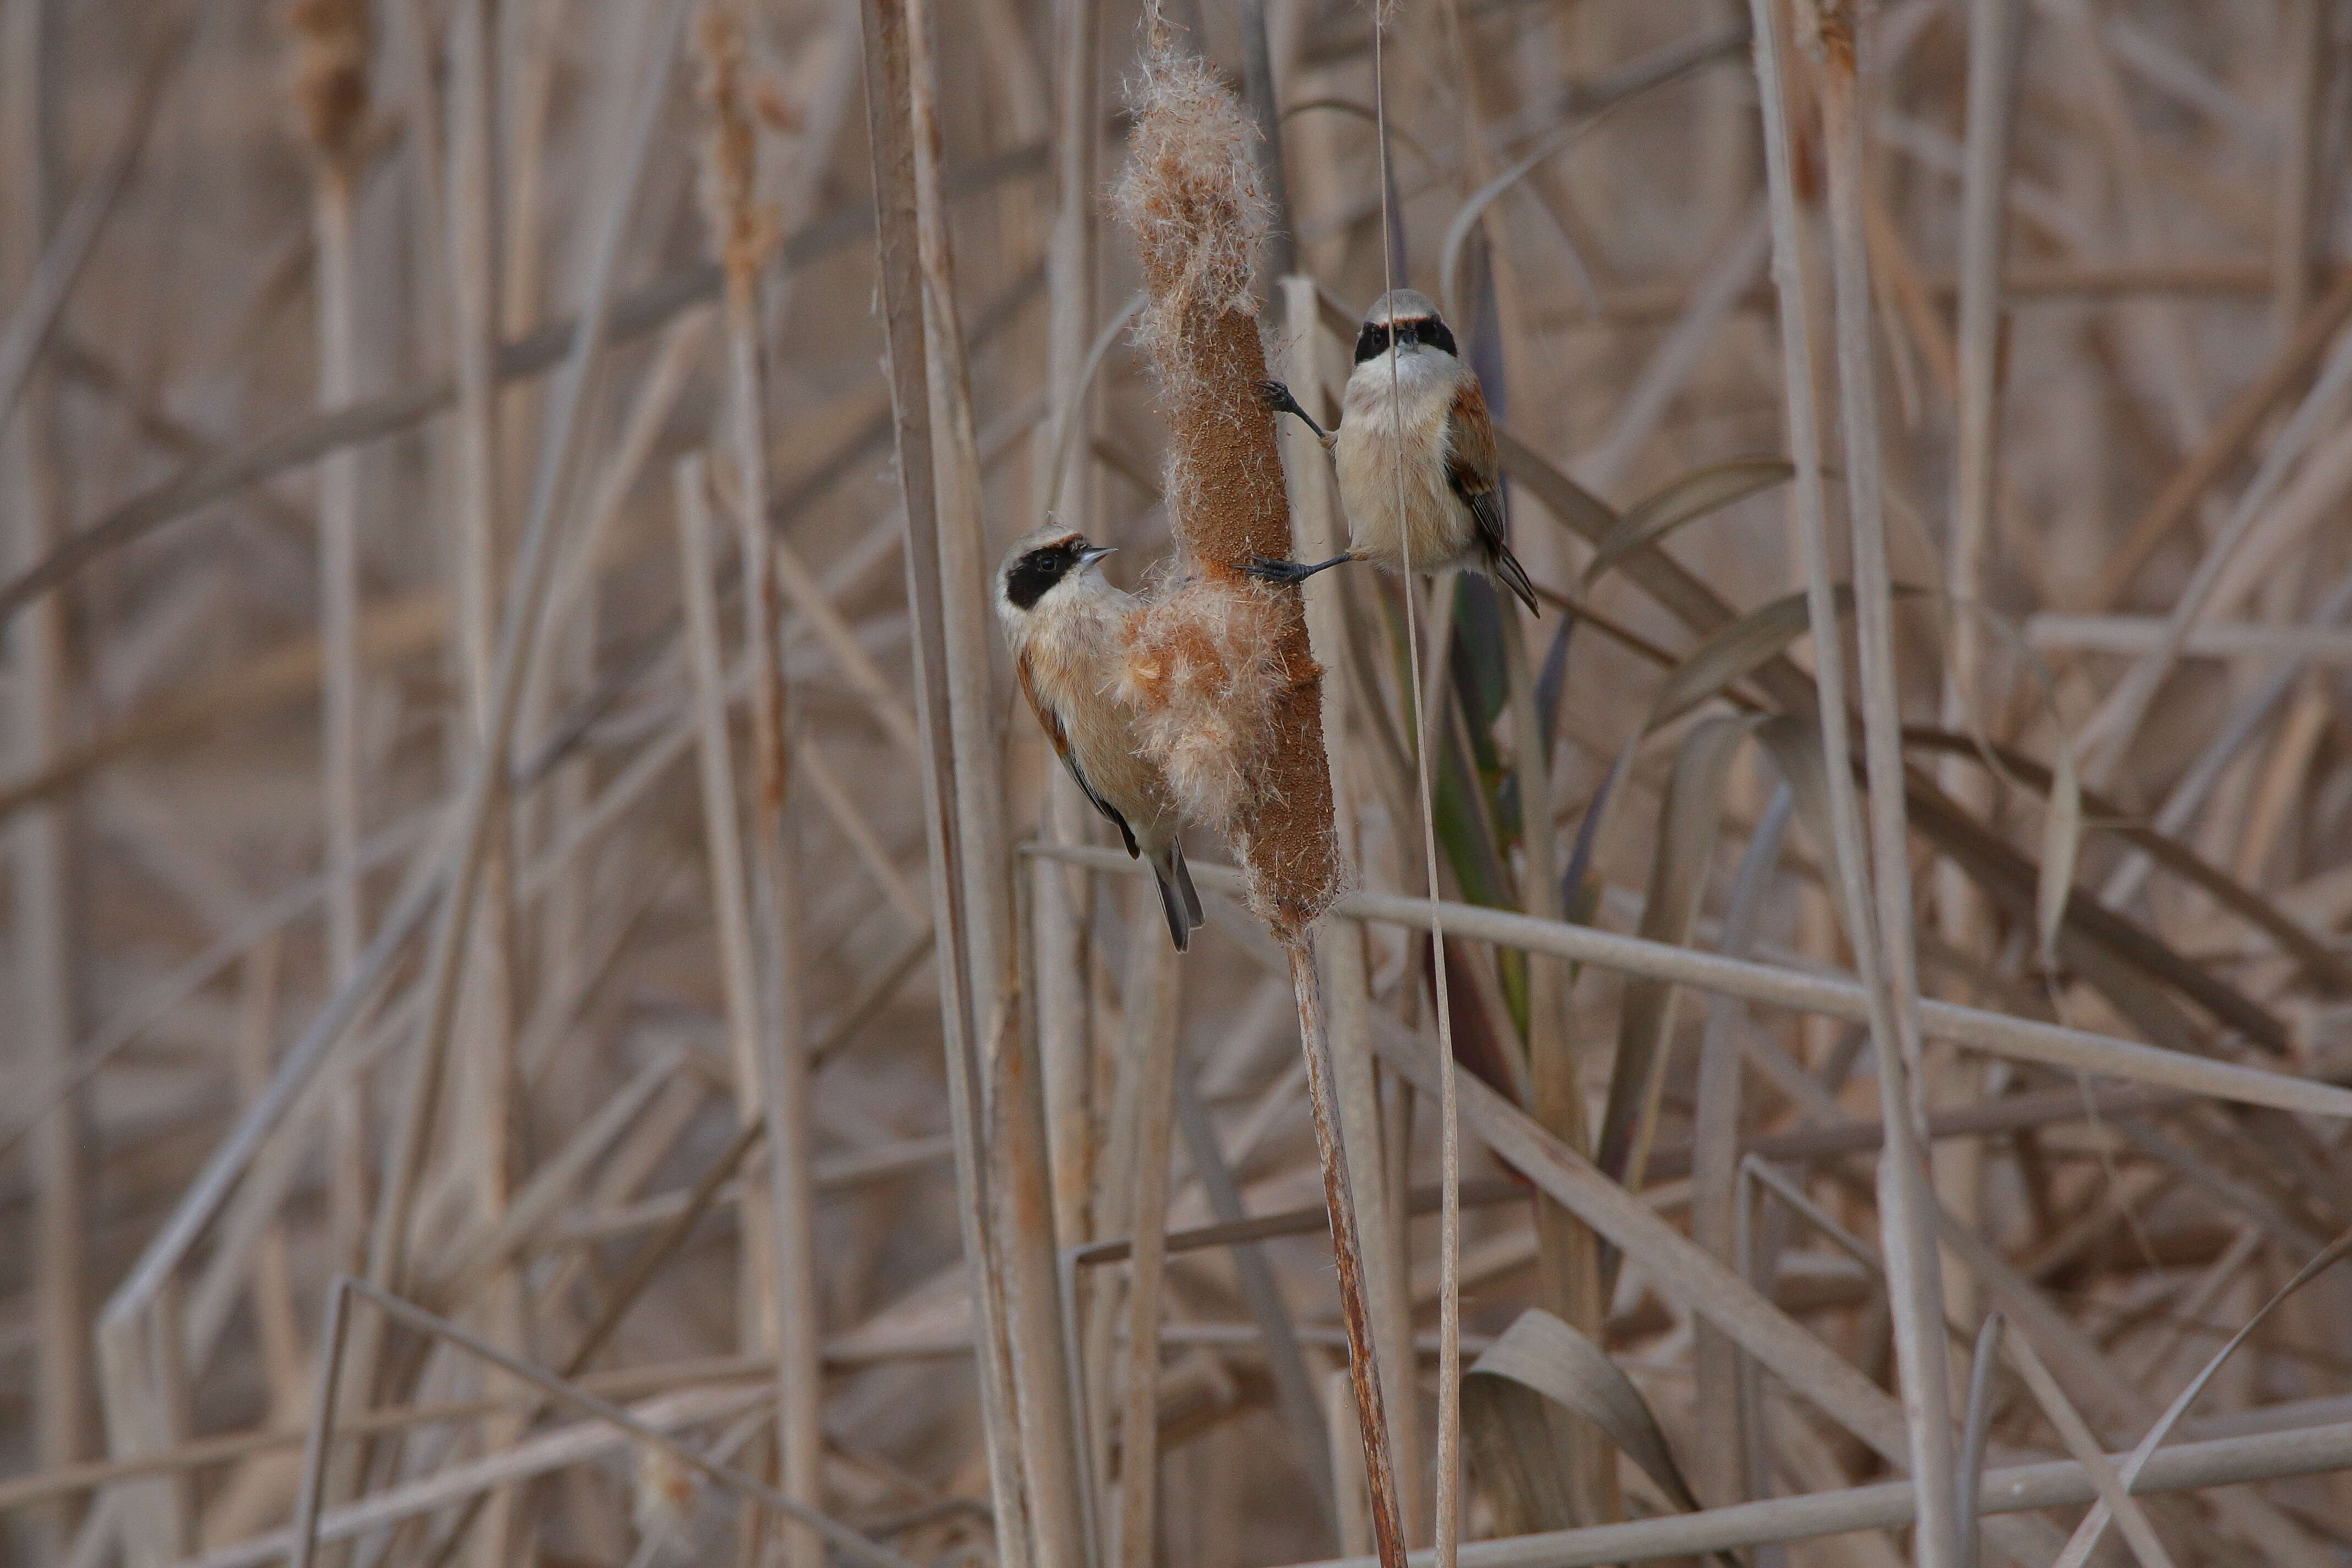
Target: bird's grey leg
(1278,398)
(1267,569)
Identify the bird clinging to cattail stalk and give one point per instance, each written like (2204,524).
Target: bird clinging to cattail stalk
(1065,624)
(1411,405)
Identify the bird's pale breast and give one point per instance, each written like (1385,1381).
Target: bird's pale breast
(1385,430)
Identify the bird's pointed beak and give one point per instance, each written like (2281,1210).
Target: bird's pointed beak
(1095,552)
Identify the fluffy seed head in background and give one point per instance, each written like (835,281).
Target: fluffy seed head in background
(1193,196)
(744,227)
(329,74)
(666,1493)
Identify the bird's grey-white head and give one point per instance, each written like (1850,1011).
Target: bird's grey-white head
(1407,320)
(1040,563)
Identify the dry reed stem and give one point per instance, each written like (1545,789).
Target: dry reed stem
(1962,915)
(744,231)
(1063,955)
(2071,1050)
(330,90)
(41,845)
(887,28)
(487,1071)
(1914,1273)
(1154,1041)
(1020,1186)
(1338,1202)
(1319,534)
(1892,1504)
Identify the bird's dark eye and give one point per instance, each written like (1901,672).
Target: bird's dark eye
(1372,342)
(1026,579)
(1436,334)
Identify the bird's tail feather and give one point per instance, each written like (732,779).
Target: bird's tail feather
(1184,882)
(1515,577)
(1178,900)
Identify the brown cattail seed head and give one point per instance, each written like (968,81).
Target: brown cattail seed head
(1227,690)
(745,227)
(329,74)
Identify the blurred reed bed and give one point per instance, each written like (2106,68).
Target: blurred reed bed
(561,1012)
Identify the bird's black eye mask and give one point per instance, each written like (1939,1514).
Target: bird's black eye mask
(1374,340)
(1026,579)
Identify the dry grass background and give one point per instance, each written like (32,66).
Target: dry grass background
(343,570)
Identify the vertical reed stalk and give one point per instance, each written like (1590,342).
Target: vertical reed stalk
(1906,1205)
(1064,899)
(1915,1287)
(330,87)
(1155,1038)
(745,233)
(472,212)
(1346,1250)
(1062,903)
(1962,913)
(1424,676)
(39,846)
(890,29)
(1030,1271)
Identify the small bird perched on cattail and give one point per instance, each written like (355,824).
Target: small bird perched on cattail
(1064,622)
(1412,411)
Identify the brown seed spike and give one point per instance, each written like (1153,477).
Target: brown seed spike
(330,75)
(1230,691)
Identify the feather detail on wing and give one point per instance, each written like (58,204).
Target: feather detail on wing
(1470,469)
(1051,723)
